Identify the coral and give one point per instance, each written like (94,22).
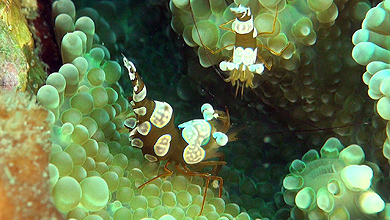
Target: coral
(15,21)
(21,65)
(24,155)
(337,185)
(14,66)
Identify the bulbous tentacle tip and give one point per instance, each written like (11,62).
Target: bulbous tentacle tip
(207,111)
(220,138)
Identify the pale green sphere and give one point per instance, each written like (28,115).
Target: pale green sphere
(140,214)
(135,173)
(93,217)
(77,213)
(53,174)
(125,194)
(103,152)
(112,95)
(119,124)
(77,153)
(113,71)
(93,173)
(243,216)
(139,202)
(193,211)
(72,116)
(150,190)
(232,209)
(212,215)
(96,76)
(101,167)
(169,199)
(67,129)
(110,111)
(177,212)
(150,169)
(90,124)
(160,211)
(184,198)
(112,180)
(117,107)
(319,5)
(200,8)
(166,186)
(71,48)
(383,106)
(99,136)
(207,31)
(154,201)
(89,164)
(86,25)
(95,193)
(101,117)
(57,80)
(83,101)
(120,160)
(109,130)
(124,182)
(124,104)
(82,65)
(122,213)
(66,194)
(70,73)
(48,96)
(179,183)
(80,134)
(79,173)
(194,189)
(63,162)
(97,54)
(91,148)
(100,97)
(198,199)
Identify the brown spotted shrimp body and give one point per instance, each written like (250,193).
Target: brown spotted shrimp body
(153,131)
(243,65)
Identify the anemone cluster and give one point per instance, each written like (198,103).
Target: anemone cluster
(94,171)
(323,187)
(320,86)
(315,79)
(372,50)
(293,25)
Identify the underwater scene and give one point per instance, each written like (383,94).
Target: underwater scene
(194,109)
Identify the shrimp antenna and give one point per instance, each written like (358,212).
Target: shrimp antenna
(204,49)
